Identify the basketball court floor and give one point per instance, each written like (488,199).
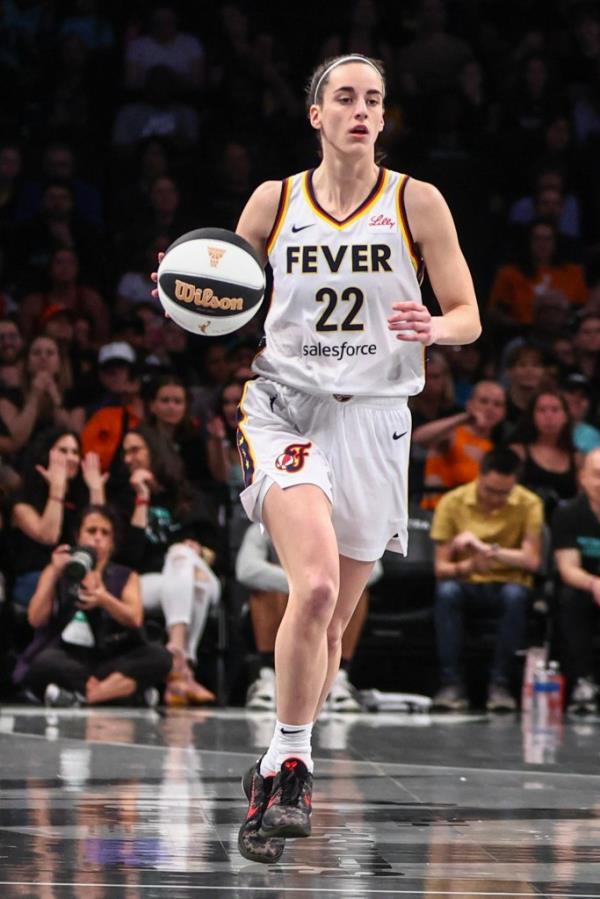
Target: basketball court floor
(121,803)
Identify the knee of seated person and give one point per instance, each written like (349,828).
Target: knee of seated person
(448,592)
(514,594)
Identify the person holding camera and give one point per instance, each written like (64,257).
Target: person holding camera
(88,646)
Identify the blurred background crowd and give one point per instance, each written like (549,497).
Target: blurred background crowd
(123,126)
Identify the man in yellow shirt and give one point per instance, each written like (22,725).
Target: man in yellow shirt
(488,535)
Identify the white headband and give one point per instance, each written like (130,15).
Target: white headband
(354,57)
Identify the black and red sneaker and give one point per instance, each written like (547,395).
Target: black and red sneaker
(252,845)
(290,803)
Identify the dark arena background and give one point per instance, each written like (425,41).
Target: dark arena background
(123,126)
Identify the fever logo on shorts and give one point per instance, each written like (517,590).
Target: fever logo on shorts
(292,458)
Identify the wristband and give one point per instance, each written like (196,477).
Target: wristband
(142,501)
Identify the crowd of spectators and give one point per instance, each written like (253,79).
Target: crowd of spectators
(125,125)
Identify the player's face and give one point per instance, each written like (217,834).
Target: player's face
(350,116)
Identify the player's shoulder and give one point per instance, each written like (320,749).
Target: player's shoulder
(422,196)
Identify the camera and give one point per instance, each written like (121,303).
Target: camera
(81,562)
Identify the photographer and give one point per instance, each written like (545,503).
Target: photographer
(87,614)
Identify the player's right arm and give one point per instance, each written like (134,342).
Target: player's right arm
(258,216)
(256,221)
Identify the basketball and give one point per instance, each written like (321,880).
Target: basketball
(211,281)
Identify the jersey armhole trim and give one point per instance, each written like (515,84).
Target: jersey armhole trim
(284,198)
(415,256)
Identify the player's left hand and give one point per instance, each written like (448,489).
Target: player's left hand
(413,322)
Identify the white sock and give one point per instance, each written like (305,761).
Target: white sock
(289,740)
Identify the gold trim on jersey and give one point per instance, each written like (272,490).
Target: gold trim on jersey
(415,256)
(309,196)
(244,448)
(284,201)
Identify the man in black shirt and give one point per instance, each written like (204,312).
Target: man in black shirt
(576,539)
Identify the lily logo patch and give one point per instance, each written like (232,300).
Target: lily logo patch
(293,456)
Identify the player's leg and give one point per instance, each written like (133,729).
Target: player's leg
(353,580)
(341,697)
(299,523)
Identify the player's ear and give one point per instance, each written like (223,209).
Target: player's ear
(314,116)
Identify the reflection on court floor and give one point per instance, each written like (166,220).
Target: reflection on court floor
(108,803)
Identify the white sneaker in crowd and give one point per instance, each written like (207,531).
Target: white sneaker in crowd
(342,697)
(261,692)
(584,696)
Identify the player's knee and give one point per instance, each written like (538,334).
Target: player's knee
(335,632)
(319,598)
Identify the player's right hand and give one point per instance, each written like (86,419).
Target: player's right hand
(154,275)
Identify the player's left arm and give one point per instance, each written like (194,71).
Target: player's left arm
(434,232)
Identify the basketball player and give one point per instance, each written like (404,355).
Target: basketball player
(324,429)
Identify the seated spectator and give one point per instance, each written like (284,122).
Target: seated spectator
(45,397)
(576,542)
(57,484)
(59,165)
(469,363)
(258,568)
(525,373)
(576,390)
(586,342)
(56,227)
(550,322)
(487,536)
(549,199)
(88,647)
(541,268)
(165,45)
(134,285)
(64,290)
(119,407)
(11,359)
(543,442)
(88,23)
(158,113)
(163,218)
(436,400)
(11,164)
(457,443)
(165,537)
(215,372)
(204,455)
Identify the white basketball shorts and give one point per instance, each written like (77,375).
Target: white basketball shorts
(356,449)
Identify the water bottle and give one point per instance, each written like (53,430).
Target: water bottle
(557,695)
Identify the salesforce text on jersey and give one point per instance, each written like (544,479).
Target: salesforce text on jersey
(338,352)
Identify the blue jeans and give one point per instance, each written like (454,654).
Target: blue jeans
(508,602)
(24,587)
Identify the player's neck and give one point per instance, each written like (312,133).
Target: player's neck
(341,184)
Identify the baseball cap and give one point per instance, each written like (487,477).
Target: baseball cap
(119,351)
(576,381)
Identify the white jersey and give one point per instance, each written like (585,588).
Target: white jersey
(334,283)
